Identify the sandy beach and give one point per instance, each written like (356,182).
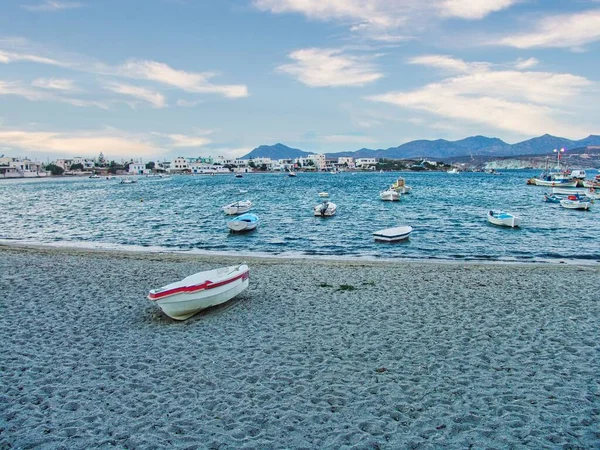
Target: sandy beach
(314,354)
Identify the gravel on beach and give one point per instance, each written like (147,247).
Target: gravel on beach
(314,354)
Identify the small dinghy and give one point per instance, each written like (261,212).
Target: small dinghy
(393,234)
(576,202)
(325,209)
(240,207)
(503,218)
(593,193)
(202,290)
(323,194)
(245,222)
(389,195)
(552,198)
(128,181)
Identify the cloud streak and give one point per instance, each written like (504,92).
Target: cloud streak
(559,31)
(52,5)
(156,99)
(523,102)
(316,67)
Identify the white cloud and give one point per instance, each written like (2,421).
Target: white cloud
(60,84)
(449,63)
(521,102)
(156,99)
(473,9)
(180,140)
(187,81)
(371,17)
(317,67)
(52,5)
(195,82)
(35,95)
(74,143)
(10,57)
(528,63)
(563,31)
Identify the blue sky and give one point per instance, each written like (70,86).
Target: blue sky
(154,79)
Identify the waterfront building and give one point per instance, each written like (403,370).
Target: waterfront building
(366,163)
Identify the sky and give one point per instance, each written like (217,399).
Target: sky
(155,79)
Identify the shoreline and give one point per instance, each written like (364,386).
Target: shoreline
(314,354)
(140,251)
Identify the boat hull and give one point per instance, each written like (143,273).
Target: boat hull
(539,182)
(184,306)
(504,219)
(392,234)
(575,204)
(183,299)
(330,210)
(390,196)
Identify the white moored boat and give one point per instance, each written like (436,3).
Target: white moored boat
(325,209)
(240,207)
(400,186)
(245,222)
(202,290)
(453,171)
(555,183)
(503,218)
(576,202)
(593,193)
(393,234)
(567,191)
(389,195)
(323,194)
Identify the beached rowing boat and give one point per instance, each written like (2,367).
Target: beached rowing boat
(183,299)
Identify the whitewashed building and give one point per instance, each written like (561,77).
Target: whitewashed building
(346,161)
(366,163)
(138,169)
(21,168)
(179,164)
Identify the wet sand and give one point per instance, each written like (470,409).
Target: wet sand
(314,354)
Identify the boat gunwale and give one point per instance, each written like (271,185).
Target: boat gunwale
(205,285)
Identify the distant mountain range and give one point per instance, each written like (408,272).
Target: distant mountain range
(440,148)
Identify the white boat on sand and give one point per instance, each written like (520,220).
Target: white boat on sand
(245,222)
(183,299)
(325,209)
(393,234)
(240,207)
(503,218)
(389,195)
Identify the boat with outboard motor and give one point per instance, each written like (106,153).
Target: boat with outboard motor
(325,209)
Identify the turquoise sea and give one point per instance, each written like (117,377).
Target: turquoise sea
(183,213)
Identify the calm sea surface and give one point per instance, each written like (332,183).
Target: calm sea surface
(447,212)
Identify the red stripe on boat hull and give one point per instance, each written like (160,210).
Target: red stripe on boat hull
(198,287)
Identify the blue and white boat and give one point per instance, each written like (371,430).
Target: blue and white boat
(552,198)
(245,222)
(503,218)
